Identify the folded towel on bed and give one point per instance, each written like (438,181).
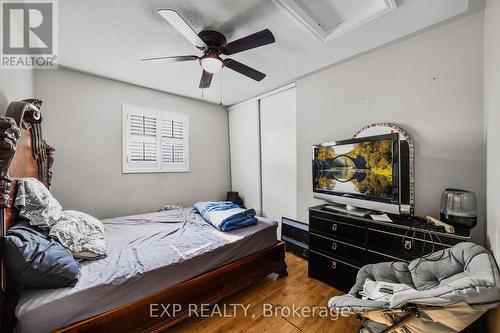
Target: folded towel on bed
(225,215)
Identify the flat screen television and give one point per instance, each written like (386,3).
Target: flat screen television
(359,173)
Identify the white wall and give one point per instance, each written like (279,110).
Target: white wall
(83,120)
(492,121)
(15,85)
(244,133)
(492,113)
(430,84)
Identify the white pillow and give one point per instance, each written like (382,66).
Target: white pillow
(81,234)
(36,204)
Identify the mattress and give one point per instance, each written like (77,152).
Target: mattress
(145,254)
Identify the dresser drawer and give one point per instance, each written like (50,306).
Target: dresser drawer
(332,271)
(337,248)
(339,217)
(338,230)
(373,257)
(398,246)
(290,230)
(446,239)
(296,248)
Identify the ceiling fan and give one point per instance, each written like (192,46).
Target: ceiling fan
(213,44)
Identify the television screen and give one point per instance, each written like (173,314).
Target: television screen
(366,168)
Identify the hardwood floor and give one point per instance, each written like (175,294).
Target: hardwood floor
(275,295)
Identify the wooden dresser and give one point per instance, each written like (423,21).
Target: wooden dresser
(340,244)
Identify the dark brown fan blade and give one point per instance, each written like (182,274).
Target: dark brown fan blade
(244,69)
(206,79)
(260,38)
(174,58)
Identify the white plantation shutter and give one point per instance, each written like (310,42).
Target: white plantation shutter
(142,131)
(141,151)
(154,140)
(173,141)
(172,128)
(141,124)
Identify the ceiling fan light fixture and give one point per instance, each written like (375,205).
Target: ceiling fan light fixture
(211,63)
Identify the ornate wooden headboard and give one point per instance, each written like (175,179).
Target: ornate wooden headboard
(23,153)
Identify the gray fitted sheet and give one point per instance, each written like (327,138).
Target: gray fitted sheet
(145,254)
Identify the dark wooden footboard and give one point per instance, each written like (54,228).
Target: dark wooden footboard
(208,288)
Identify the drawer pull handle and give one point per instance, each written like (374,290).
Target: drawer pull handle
(407,244)
(334,264)
(334,246)
(334,227)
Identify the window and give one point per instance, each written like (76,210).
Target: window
(154,140)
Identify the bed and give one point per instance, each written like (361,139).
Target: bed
(169,257)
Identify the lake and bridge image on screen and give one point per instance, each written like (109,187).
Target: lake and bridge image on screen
(363,168)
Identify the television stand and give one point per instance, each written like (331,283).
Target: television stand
(340,244)
(347,209)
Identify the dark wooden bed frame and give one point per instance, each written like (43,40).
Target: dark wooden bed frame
(24,153)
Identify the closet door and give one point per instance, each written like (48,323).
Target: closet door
(245,152)
(279,155)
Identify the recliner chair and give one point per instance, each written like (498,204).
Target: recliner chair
(453,288)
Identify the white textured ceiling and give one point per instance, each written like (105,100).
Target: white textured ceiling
(108,37)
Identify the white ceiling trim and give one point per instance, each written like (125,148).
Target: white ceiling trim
(377,9)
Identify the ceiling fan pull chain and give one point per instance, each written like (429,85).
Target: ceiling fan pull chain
(220,94)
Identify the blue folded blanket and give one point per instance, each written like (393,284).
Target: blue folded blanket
(225,215)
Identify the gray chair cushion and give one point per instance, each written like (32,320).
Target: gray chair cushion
(37,261)
(395,272)
(465,272)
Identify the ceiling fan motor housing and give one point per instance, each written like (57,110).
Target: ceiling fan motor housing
(213,39)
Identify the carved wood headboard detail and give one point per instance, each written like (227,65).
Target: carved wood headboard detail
(23,153)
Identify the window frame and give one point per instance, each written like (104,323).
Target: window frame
(158,166)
